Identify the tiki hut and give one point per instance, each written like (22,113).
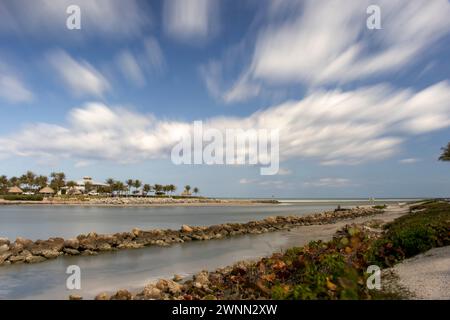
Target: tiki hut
(47,191)
(15,190)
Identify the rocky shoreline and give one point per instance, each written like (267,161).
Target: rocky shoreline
(27,251)
(138,201)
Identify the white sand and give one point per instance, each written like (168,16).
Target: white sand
(427,275)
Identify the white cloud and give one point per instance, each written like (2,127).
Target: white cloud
(47,18)
(409,161)
(79,76)
(242,91)
(137,66)
(154,54)
(13,89)
(130,68)
(315,43)
(337,127)
(190,20)
(329,182)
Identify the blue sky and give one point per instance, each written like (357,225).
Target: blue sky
(361,112)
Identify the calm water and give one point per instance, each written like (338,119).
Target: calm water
(133,268)
(42,222)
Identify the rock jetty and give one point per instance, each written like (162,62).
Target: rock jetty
(27,251)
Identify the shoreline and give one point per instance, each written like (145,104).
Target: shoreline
(196,285)
(27,251)
(137,202)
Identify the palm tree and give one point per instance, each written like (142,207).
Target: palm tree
(58,180)
(70,186)
(14,182)
(158,189)
(137,184)
(172,188)
(88,187)
(41,181)
(166,188)
(110,182)
(146,188)
(187,188)
(196,190)
(130,184)
(445,156)
(23,182)
(3,184)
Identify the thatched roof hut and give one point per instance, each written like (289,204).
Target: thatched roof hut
(15,190)
(47,191)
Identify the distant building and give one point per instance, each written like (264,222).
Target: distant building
(47,191)
(81,184)
(15,190)
(80,187)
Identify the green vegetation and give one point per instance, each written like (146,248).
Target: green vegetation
(31,183)
(445,156)
(337,269)
(23,197)
(380,207)
(426,227)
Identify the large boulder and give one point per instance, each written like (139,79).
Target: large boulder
(72,252)
(50,254)
(102,296)
(4,248)
(169,286)
(4,256)
(186,228)
(24,242)
(271,220)
(201,280)
(122,295)
(136,232)
(34,259)
(152,292)
(72,243)
(4,241)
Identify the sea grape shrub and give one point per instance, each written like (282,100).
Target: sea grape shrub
(325,270)
(426,227)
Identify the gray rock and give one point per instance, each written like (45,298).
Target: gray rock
(34,259)
(4,248)
(72,243)
(102,296)
(152,292)
(72,252)
(50,254)
(186,228)
(4,241)
(169,286)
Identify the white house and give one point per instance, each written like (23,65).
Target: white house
(80,187)
(81,184)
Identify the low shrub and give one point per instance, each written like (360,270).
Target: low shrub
(426,227)
(23,197)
